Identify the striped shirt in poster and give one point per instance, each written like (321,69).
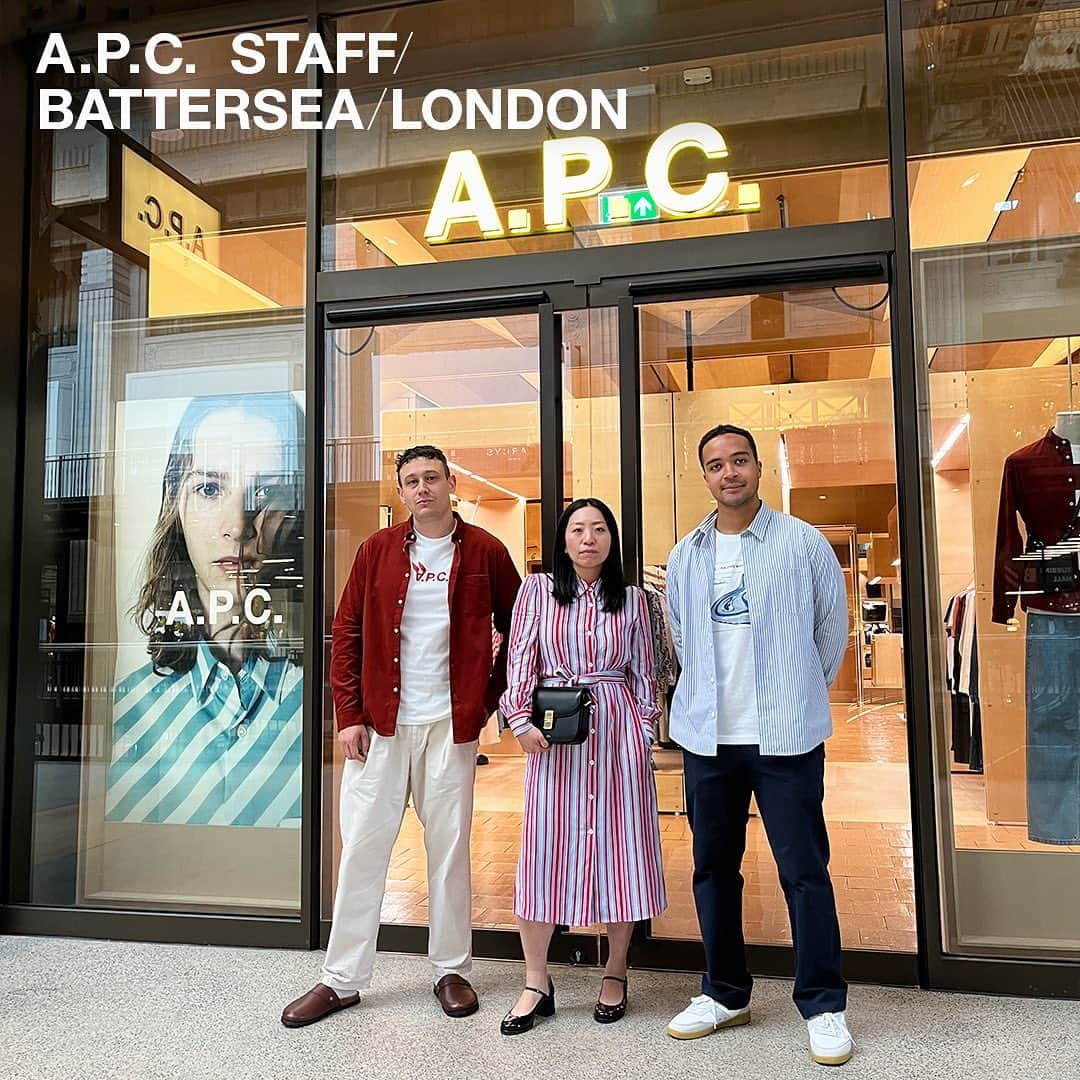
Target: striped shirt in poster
(208,747)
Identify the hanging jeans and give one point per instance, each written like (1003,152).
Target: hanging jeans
(1053,728)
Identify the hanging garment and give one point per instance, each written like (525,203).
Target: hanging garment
(1053,728)
(1038,484)
(664,654)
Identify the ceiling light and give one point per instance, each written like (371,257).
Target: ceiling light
(823,497)
(970,180)
(896,562)
(874,580)
(950,440)
(483,480)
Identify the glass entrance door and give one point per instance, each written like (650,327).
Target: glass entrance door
(471,386)
(809,373)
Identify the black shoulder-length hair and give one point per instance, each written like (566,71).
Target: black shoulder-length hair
(612,582)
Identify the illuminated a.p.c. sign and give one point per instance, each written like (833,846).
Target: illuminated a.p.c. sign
(578,168)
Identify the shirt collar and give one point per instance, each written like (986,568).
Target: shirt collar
(457,535)
(758,527)
(585,586)
(203,670)
(266,673)
(1057,444)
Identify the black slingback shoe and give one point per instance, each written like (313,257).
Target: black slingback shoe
(518,1025)
(608,1014)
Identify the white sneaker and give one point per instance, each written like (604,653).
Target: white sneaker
(703,1016)
(830,1041)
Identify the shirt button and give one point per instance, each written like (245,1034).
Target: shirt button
(591,832)
(591,795)
(395,689)
(592,761)
(241,731)
(401,601)
(396,631)
(395,659)
(592,731)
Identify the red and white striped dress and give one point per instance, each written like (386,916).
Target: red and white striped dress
(590,837)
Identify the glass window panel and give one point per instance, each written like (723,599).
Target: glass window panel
(158,755)
(470,387)
(998,340)
(987,75)
(810,374)
(591,451)
(801,106)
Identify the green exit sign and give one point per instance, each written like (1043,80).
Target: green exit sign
(626,207)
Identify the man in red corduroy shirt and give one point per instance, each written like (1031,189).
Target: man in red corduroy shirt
(414,681)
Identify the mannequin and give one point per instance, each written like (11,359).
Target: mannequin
(1067,425)
(1041,488)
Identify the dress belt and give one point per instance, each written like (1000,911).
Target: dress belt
(588,678)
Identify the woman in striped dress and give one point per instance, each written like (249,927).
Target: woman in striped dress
(590,838)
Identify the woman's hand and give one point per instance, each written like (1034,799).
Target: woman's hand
(533,742)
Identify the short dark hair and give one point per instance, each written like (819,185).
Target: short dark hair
(414,452)
(724,429)
(564,577)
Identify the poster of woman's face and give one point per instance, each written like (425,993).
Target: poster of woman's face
(207,728)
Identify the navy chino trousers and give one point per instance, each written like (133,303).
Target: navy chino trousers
(789,793)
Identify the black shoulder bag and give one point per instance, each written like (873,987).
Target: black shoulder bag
(562,714)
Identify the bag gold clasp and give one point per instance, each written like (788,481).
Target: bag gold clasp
(549,719)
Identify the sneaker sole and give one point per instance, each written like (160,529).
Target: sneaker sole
(735,1021)
(821,1059)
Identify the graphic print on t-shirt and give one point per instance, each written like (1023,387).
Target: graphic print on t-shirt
(733,643)
(732,608)
(422,573)
(425,633)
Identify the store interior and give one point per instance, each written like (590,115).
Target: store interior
(810,374)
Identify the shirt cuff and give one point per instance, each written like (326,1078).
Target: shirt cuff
(519,723)
(347,718)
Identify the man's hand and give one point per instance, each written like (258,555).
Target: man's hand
(355,741)
(533,742)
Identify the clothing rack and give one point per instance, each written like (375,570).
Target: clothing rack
(962,679)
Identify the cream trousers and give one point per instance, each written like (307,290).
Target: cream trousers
(425,762)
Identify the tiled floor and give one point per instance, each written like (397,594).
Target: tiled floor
(867,806)
(868,811)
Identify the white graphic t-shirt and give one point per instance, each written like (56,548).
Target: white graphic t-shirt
(425,633)
(733,646)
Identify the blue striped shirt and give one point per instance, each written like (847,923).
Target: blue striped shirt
(208,747)
(798,619)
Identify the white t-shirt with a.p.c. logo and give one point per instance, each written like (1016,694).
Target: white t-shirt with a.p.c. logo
(425,633)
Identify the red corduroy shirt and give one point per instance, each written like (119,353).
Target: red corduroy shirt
(366,650)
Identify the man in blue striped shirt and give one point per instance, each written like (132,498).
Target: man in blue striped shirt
(758,615)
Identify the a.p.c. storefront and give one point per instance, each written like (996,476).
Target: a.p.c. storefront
(883,288)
